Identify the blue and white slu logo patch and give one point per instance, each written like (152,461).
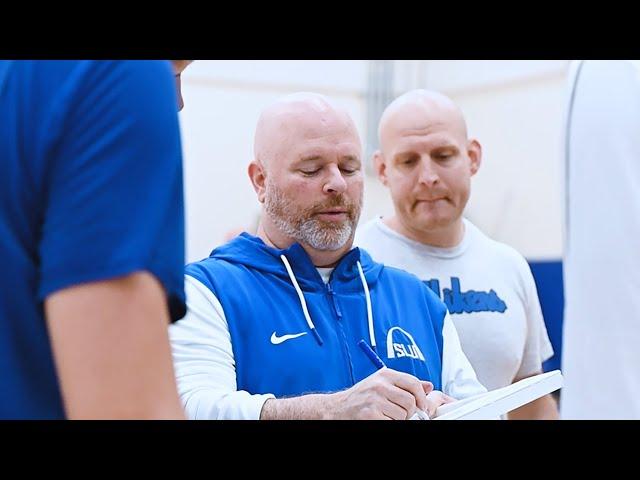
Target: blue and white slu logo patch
(400,343)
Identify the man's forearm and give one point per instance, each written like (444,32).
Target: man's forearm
(307,407)
(111,349)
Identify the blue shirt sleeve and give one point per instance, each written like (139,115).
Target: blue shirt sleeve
(114,200)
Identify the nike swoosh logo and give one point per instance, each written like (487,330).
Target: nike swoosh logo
(276,340)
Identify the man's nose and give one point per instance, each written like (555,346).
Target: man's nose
(335,182)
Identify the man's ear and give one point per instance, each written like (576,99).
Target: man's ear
(380,166)
(474,150)
(258,178)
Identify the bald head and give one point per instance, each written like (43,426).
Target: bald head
(418,112)
(295,118)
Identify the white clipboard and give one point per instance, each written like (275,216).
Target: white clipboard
(493,404)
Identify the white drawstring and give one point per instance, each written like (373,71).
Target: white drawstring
(301,298)
(372,337)
(305,311)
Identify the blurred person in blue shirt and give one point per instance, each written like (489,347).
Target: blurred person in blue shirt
(92,235)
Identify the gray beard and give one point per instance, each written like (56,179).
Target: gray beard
(304,228)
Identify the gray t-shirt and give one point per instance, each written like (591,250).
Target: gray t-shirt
(489,291)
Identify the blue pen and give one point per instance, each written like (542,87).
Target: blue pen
(373,356)
(378,363)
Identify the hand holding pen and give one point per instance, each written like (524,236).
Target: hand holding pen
(425,387)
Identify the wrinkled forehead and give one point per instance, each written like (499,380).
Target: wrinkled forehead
(437,136)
